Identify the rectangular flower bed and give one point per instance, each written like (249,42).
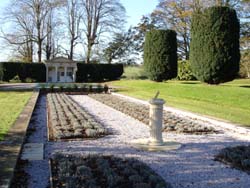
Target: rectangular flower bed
(171,122)
(67,120)
(102,172)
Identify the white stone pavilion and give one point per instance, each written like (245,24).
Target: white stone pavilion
(60,69)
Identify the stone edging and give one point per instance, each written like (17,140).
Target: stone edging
(14,140)
(234,129)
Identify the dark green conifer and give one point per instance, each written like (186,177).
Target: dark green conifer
(160,54)
(214,48)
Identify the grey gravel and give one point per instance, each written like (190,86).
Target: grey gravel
(190,166)
(38,170)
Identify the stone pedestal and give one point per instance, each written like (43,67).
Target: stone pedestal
(155,142)
(155,121)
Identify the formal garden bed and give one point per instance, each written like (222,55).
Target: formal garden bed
(67,120)
(171,121)
(76,88)
(237,157)
(111,161)
(102,172)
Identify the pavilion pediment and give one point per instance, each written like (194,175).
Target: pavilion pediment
(60,60)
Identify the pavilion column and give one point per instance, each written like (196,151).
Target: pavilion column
(65,74)
(74,74)
(56,74)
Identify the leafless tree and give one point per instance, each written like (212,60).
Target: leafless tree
(21,38)
(33,16)
(53,28)
(176,15)
(74,18)
(100,16)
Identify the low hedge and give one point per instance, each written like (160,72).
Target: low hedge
(37,71)
(34,71)
(98,72)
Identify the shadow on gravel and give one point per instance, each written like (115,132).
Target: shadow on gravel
(193,162)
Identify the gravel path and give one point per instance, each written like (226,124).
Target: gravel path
(190,166)
(38,170)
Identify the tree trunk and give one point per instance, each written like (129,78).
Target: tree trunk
(87,61)
(39,51)
(71,53)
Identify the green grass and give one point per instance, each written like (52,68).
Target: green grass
(11,105)
(230,101)
(134,73)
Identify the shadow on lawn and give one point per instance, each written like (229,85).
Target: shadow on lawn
(190,82)
(245,86)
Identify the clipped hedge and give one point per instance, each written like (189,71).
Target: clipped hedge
(98,72)
(1,72)
(37,72)
(34,71)
(160,54)
(184,71)
(214,48)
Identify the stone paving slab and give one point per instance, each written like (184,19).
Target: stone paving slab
(11,146)
(32,151)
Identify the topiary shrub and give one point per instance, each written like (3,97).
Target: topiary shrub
(160,54)
(184,71)
(214,48)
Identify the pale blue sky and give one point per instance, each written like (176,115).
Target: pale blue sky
(135,9)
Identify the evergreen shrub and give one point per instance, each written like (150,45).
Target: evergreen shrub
(214,48)
(160,54)
(184,71)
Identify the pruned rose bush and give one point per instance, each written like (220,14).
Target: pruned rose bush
(68,120)
(97,171)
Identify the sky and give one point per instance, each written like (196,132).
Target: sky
(135,9)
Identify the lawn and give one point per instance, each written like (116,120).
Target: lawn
(230,101)
(11,105)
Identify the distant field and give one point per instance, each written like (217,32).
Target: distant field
(11,105)
(134,72)
(230,101)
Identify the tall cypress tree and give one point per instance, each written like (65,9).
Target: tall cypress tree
(214,48)
(160,54)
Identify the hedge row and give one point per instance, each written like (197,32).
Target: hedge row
(85,73)
(35,71)
(98,72)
